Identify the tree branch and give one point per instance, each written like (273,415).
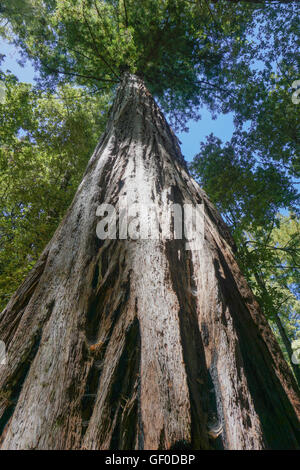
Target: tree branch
(126,15)
(96,48)
(75,74)
(216,86)
(288,250)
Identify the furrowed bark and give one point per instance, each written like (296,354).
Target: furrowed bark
(141,344)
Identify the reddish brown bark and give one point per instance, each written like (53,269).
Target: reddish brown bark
(141,344)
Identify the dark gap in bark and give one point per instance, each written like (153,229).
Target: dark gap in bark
(93,316)
(216,404)
(160,180)
(103,184)
(123,397)
(5,420)
(120,185)
(278,419)
(161,445)
(15,385)
(104,261)
(181,445)
(89,397)
(98,242)
(205,334)
(175,195)
(100,302)
(192,344)
(95,313)
(191,337)
(140,429)
(95,277)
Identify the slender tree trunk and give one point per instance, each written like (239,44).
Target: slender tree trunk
(288,346)
(284,337)
(141,344)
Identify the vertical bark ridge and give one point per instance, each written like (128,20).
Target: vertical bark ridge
(270,406)
(192,345)
(141,342)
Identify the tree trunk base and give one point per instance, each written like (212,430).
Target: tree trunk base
(141,344)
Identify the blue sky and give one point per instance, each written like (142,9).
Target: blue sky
(222,127)
(25,74)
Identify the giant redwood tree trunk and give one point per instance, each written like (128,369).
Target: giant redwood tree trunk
(141,344)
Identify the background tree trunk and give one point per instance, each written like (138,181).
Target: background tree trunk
(288,346)
(141,344)
(284,337)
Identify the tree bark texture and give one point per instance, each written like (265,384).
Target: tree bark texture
(141,344)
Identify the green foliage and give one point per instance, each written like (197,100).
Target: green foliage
(265,103)
(274,256)
(272,261)
(45,142)
(247,191)
(178,46)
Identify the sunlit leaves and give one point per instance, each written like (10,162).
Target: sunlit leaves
(46,140)
(178,46)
